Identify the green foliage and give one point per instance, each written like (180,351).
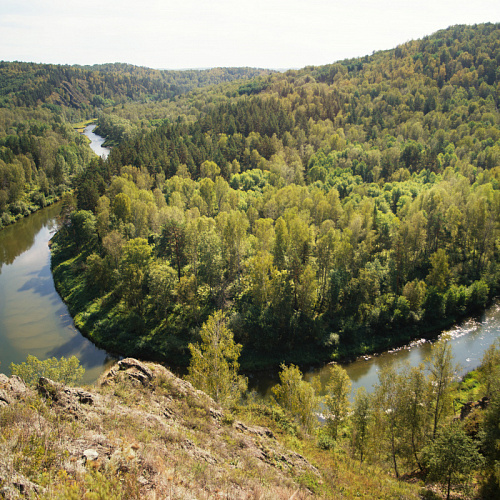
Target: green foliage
(442,371)
(338,391)
(65,370)
(490,445)
(134,267)
(214,363)
(452,456)
(401,414)
(83,227)
(340,210)
(360,419)
(297,397)
(490,370)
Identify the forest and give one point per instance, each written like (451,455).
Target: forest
(40,151)
(305,217)
(329,212)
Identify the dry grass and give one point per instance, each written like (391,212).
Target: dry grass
(166,440)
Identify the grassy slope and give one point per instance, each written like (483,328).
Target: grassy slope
(190,449)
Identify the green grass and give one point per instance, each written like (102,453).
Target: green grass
(80,126)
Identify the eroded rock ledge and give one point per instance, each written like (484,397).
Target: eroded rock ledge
(146,426)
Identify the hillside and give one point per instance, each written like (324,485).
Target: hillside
(32,84)
(41,153)
(330,212)
(144,433)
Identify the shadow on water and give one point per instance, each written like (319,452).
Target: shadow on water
(34,320)
(39,285)
(88,354)
(65,319)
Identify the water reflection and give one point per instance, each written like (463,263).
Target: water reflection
(19,237)
(468,340)
(33,318)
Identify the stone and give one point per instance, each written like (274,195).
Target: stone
(90,455)
(127,363)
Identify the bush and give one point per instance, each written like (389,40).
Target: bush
(38,198)
(297,396)
(325,440)
(65,370)
(5,220)
(19,208)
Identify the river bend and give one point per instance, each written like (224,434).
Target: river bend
(34,320)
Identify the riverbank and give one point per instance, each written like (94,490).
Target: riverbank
(31,204)
(111,325)
(36,200)
(81,126)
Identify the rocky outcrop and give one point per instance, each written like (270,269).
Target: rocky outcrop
(134,369)
(12,389)
(471,406)
(150,428)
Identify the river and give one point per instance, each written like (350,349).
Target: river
(469,339)
(34,320)
(96,141)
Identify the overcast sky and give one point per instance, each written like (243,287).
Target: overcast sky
(209,33)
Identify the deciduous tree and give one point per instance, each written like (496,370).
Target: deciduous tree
(297,396)
(338,391)
(214,362)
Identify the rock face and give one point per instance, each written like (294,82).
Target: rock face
(11,389)
(155,432)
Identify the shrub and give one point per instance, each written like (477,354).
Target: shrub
(6,219)
(65,370)
(38,198)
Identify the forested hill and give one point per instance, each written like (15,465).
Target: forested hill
(40,153)
(329,211)
(408,103)
(30,84)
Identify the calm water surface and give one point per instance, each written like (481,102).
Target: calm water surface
(96,141)
(33,318)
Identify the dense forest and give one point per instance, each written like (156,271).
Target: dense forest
(40,152)
(299,217)
(31,84)
(330,212)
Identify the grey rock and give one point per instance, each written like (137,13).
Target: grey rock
(90,455)
(127,363)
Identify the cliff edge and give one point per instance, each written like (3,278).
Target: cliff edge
(141,432)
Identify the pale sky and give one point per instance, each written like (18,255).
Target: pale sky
(202,33)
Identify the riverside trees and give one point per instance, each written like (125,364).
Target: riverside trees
(397,426)
(329,214)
